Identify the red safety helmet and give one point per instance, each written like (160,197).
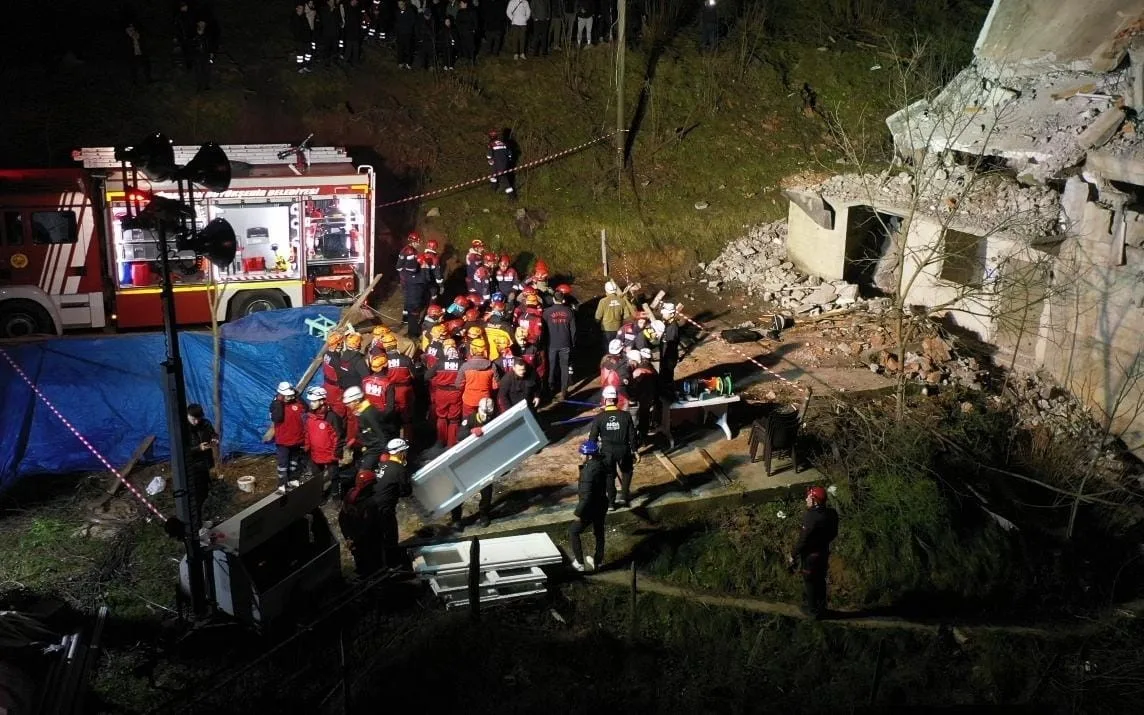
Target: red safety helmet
(532,299)
(816,494)
(528,290)
(413,239)
(435,311)
(482,273)
(489,257)
(475,298)
(461,301)
(564,288)
(454,325)
(494,134)
(505,259)
(431,246)
(471,315)
(541,269)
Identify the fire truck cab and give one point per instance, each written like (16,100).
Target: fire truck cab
(304,229)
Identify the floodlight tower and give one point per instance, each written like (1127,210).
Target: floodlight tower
(154,157)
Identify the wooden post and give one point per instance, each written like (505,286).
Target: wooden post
(621,56)
(604,250)
(632,612)
(475,580)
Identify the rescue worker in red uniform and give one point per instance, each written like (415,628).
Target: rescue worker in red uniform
(446,397)
(399,374)
(476,379)
(375,346)
(507,279)
(614,372)
(473,258)
(500,158)
(352,368)
(811,554)
(408,258)
(433,345)
(482,283)
(287,415)
(325,437)
(433,317)
(531,318)
(474,424)
(436,271)
(474,332)
(531,354)
(459,305)
(643,390)
(331,363)
(376,387)
(539,281)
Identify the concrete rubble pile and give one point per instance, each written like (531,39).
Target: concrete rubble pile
(757,263)
(989,202)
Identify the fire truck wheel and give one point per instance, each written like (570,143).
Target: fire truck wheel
(21,318)
(256,301)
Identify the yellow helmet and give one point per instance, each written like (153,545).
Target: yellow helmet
(438,332)
(379,330)
(377,363)
(353,341)
(334,340)
(478,346)
(475,332)
(389,341)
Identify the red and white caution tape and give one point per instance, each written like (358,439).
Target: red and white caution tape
(83,440)
(522,167)
(749,359)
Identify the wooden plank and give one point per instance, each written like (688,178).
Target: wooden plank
(317,361)
(716,468)
(670,466)
(115,485)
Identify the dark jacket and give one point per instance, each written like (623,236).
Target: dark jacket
(592,488)
(614,430)
(669,344)
(375,428)
(515,389)
(819,528)
(351,369)
(561,323)
(392,484)
(467,21)
(541,11)
(493,12)
(353,21)
(199,459)
(585,8)
(469,424)
(301,30)
(405,21)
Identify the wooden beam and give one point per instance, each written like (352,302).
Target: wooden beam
(114,485)
(716,468)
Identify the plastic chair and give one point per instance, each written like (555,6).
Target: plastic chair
(778,432)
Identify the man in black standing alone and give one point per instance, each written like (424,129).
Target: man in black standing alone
(811,555)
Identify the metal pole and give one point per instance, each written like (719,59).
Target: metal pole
(475,580)
(604,249)
(621,56)
(176,396)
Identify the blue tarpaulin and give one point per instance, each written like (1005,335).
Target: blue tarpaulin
(111,390)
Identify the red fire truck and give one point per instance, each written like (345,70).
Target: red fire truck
(304,226)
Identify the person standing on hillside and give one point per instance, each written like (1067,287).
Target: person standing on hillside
(585,14)
(811,554)
(560,322)
(405,28)
(518,13)
(541,19)
(591,508)
(613,311)
(494,13)
(557,28)
(500,158)
(353,13)
(468,22)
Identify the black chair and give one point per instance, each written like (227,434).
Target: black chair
(777,432)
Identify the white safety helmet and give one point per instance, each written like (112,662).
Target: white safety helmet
(396,445)
(286,389)
(610,287)
(615,347)
(645,353)
(667,310)
(352,394)
(657,327)
(634,356)
(486,405)
(610,393)
(315,394)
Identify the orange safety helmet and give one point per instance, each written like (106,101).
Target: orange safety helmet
(435,311)
(379,330)
(454,325)
(472,314)
(438,332)
(335,340)
(478,347)
(389,341)
(475,332)
(353,341)
(532,299)
(377,363)
(541,269)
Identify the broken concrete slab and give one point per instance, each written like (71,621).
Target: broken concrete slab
(814,205)
(1102,129)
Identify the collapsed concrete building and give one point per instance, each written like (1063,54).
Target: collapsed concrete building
(1021,217)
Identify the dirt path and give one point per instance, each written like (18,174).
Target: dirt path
(860,619)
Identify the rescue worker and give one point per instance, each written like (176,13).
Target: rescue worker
(360,521)
(287,415)
(416,298)
(433,344)
(375,428)
(613,311)
(405,28)
(643,390)
(507,358)
(507,280)
(498,336)
(351,450)
(202,56)
(399,374)
(482,283)
(407,258)
(352,367)
(560,322)
(434,266)
(539,281)
(393,483)
(614,372)
(500,158)
(468,22)
(303,33)
(591,507)
(473,424)
(375,386)
(615,431)
(531,354)
(325,437)
(668,350)
(473,258)
(445,396)
(811,554)
(476,378)
(519,385)
(375,346)
(569,299)
(635,334)
(531,318)
(474,332)
(331,365)
(201,441)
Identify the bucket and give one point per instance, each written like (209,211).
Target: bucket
(141,274)
(246,484)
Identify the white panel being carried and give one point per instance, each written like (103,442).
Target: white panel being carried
(475,462)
